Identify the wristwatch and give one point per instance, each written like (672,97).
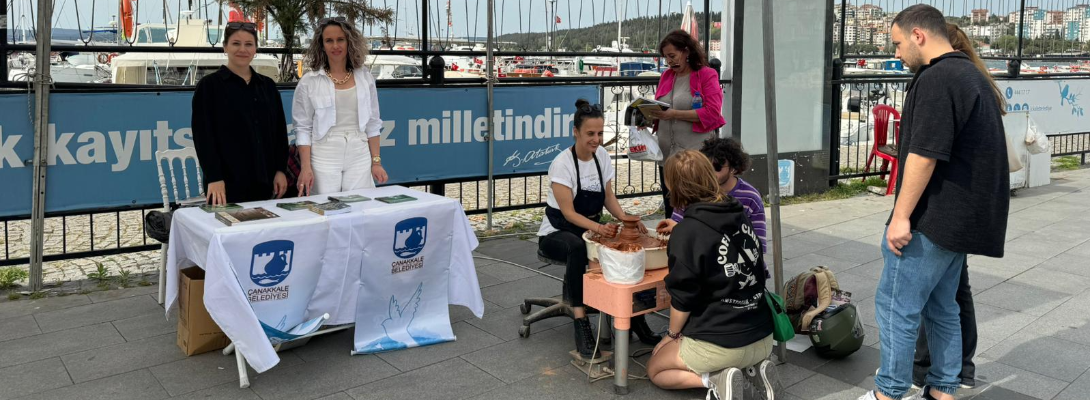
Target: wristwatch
(674,336)
(376,160)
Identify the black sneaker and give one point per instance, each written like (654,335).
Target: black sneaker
(760,379)
(584,338)
(727,384)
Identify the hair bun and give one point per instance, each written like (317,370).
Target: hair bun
(581,102)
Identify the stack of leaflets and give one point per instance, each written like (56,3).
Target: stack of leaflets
(644,104)
(241,217)
(299,205)
(330,208)
(349,198)
(401,198)
(220,208)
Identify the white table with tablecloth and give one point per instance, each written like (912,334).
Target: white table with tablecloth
(381,267)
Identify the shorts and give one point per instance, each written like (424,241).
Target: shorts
(702,357)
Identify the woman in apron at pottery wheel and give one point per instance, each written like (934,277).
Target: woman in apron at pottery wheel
(582,179)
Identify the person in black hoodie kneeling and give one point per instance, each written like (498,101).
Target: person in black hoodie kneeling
(720,322)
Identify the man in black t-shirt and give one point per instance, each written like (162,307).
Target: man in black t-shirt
(952,200)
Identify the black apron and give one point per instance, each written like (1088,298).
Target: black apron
(587,203)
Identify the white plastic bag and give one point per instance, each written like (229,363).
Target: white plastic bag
(642,145)
(621,267)
(1036,141)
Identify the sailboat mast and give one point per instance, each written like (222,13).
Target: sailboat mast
(620,13)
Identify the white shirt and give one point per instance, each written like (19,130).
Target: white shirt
(314,110)
(562,171)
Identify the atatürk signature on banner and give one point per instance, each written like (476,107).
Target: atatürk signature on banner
(517,158)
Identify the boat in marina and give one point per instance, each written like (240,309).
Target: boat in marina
(178,68)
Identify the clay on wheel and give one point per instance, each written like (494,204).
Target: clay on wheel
(629,239)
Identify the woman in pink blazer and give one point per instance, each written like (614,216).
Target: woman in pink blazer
(695,97)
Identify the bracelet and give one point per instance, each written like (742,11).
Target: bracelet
(674,336)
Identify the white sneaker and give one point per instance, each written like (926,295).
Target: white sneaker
(726,384)
(760,380)
(868,396)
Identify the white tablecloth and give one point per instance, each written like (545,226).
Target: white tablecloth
(196,238)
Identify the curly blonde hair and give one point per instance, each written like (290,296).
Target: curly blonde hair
(316,59)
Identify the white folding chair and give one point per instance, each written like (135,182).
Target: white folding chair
(170,156)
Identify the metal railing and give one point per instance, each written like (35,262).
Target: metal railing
(1010,35)
(855,129)
(1071,144)
(119,230)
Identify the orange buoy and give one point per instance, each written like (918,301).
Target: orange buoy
(127,26)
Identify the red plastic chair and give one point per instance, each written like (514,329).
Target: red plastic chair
(887,152)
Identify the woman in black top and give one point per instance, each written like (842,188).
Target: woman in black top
(239,129)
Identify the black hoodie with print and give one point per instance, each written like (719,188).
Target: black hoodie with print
(723,293)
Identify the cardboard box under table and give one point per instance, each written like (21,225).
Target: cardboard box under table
(197,332)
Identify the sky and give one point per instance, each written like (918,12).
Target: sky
(533,17)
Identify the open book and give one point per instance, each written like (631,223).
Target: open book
(644,104)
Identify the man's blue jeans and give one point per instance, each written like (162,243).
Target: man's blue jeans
(921,283)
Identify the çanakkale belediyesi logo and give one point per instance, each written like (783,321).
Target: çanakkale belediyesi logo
(410,235)
(1069,98)
(270,262)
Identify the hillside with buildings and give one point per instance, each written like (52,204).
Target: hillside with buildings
(1045,31)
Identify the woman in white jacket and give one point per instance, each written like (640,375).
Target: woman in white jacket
(336,114)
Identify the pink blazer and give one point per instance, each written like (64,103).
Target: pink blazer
(705,81)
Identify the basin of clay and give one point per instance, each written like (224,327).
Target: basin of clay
(654,247)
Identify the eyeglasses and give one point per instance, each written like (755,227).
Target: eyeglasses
(326,21)
(590,108)
(246,26)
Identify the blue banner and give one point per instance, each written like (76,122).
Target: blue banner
(102,145)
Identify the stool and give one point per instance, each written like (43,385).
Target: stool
(553,307)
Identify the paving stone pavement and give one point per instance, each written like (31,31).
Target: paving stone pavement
(1031,308)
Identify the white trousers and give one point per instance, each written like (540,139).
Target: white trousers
(341,161)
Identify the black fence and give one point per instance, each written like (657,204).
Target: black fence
(1071,144)
(856,128)
(1017,39)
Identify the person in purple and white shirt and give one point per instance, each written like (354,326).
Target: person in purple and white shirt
(729,161)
